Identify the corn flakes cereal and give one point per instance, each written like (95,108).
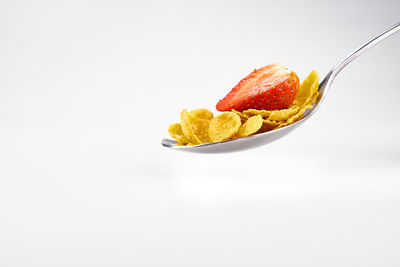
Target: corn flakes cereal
(269,125)
(283,114)
(175,131)
(252,125)
(200,119)
(201,113)
(224,126)
(263,113)
(243,117)
(187,128)
(308,92)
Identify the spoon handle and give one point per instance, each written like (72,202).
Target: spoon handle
(395,28)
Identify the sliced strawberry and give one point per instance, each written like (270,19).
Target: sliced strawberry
(271,87)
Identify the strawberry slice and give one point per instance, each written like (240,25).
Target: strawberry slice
(270,88)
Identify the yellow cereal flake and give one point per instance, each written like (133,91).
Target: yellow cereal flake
(308,91)
(269,125)
(283,114)
(201,113)
(264,113)
(175,131)
(252,125)
(224,126)
(187,128)
(200,119)
(243,117)
(297,116)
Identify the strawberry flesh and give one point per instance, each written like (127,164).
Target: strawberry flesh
(271,87)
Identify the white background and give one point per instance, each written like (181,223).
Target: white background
(88,89)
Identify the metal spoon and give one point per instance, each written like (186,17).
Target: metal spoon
(268,137)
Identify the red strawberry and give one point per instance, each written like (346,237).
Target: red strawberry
(270,87)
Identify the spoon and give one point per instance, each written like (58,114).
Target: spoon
(268,137)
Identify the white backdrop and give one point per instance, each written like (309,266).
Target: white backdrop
(88,89)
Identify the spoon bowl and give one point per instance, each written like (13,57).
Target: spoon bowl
(233,145)
(268,137)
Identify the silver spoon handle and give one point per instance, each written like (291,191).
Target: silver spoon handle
(395,28)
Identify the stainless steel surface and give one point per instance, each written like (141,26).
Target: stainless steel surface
(268,137)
